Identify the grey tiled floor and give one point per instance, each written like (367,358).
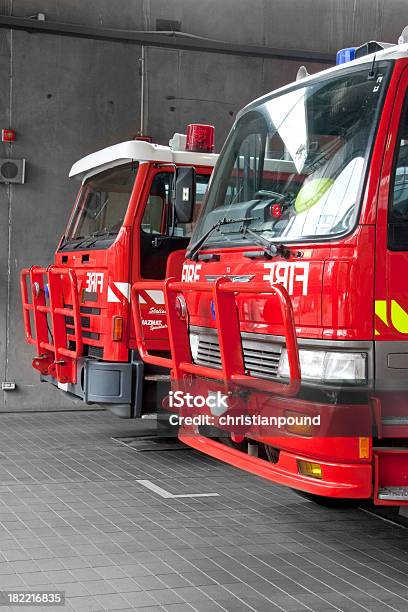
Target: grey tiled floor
(73,518)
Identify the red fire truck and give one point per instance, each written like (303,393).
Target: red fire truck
(293,303)
(125,226)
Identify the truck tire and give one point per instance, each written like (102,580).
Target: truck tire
(330,502)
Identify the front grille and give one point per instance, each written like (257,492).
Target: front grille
(90,351)
(261,356)
(91,335)
(86,309)
(84,334)
(90,310)
(89,296)
(95,351)
(85,322)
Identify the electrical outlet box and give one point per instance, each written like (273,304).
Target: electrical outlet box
(8,386)
(12,170)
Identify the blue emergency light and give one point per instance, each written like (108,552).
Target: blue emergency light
(345,55)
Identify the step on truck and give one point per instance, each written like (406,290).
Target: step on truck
(125,226)
(293,303)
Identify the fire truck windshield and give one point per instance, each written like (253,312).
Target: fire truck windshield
(100,208)
(294,163)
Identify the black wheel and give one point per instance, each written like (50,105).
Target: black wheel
(330,502)
(241,446)
(209,431)
(271,453)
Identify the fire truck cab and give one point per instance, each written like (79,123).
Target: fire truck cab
(124,227)
(294,294)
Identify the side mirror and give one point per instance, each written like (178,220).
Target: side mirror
(185,193)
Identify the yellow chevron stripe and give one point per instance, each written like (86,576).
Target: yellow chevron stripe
(399,317)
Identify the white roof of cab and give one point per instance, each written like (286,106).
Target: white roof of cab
(137,150)
(389,53)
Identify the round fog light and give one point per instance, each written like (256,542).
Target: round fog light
(181,307)
(36,288)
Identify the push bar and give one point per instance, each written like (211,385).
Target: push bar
(224,295)
(53,357)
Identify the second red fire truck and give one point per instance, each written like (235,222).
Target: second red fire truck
(293,304)
(125,226)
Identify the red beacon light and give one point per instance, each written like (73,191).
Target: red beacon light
(276,211)
(143,138)
(200,138)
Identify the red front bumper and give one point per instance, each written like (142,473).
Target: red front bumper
(341,480)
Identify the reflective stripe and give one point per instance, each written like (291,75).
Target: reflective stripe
(111,296)
(398,315)
(121,288)
(156,296)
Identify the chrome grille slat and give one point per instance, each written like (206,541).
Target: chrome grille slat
(204,362)
(205,348)
(261,359)
(209,347)
(261,375)
(209,359)
(265,349)
(264,353)
(263,356)
(260,369)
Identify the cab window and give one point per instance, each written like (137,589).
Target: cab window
(101,208)
(398,210)
(159,236)
(156,219)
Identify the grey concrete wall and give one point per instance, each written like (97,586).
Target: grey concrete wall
(67,97)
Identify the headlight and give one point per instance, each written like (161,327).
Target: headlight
(327,366)
(194,342)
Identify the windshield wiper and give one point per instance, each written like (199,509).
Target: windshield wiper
(92,238)
(71,242)
(107,232)
(78,241)
(196,247)
(270,248)
(81,242)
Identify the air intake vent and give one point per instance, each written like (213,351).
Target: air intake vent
(12,170)
(261,355)
(95,351)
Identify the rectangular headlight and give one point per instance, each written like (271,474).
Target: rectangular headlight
(327,366)
(345,366)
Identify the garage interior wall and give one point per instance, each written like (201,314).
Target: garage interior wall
(67,97)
